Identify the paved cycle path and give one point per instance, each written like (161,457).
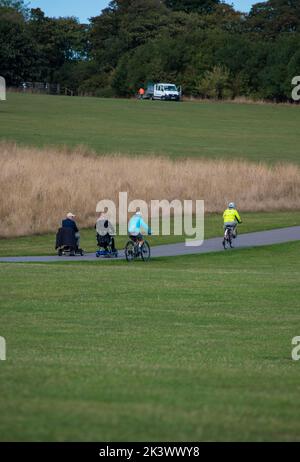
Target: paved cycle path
(274,236)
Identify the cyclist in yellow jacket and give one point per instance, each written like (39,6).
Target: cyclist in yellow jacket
(231,218)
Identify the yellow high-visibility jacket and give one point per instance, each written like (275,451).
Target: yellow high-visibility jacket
(231,215)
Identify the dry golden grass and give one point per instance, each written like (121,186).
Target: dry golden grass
(39,186)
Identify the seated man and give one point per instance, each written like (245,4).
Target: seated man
(136,225)
(231,218)
(69,222)
(104,230)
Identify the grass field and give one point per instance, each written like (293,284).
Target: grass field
(194,348)
(256,132)
(44,244)
(182,349)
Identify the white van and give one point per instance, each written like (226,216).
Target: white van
(163,91)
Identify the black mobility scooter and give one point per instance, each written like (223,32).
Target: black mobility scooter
(106,249)
(66,243)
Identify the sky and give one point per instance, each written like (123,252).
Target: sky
(84,9)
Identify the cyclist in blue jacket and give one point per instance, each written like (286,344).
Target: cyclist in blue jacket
(136,225)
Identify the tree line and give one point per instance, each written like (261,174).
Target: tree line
(206,46)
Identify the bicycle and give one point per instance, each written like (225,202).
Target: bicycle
(228,237)
(133,250)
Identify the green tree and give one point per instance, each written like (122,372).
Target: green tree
(274,17)
(215,83)
(149,63)
(66,40)
(281,66)
(18,5)
(199,6)
(123,27)
(18,51)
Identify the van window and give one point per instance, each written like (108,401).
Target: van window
(170,88)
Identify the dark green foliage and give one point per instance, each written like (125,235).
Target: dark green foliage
(274,17)
(59,40)
(206,46)
(199,6)
(18,51)
(18,5)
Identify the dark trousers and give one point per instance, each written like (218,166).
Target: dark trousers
(113,247)
(111,242)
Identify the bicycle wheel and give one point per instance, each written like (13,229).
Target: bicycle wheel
(226,239)
(145,251)
(230,240)
(130,251)
(225,243)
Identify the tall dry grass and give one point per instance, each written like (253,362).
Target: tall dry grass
(39,186)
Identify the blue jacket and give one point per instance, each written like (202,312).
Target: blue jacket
(67,223)
(136,224)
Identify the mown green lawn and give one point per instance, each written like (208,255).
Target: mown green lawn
(182,349)
(255,132)
(44,244)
